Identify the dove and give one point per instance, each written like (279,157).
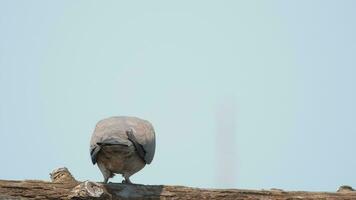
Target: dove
(122,145)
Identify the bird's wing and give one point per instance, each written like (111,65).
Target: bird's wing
(150,145)
(145,136)
(94,152)
(139,148)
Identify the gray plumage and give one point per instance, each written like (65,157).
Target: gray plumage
(122,145)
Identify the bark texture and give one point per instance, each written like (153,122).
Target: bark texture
(64,186)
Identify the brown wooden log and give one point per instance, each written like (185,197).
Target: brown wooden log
(64,186)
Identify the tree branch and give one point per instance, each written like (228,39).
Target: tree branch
(64,186)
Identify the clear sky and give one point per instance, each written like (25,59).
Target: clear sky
(284,72)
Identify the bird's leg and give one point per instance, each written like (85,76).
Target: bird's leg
(106,173)
(107,176)
(126,180)
(106,179)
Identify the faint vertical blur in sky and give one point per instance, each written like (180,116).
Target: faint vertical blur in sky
(226,155)
(264,88)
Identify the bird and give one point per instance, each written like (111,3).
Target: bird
(122,145)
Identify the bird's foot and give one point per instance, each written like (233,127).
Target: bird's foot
(105,180)
(126,181)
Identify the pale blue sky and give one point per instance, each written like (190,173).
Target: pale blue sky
(288,67)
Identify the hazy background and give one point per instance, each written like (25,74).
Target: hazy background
(262,90)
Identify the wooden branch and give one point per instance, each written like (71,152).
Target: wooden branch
(64,186)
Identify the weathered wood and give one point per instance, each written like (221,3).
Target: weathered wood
(64,186)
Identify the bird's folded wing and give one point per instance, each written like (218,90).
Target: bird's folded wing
(139,148)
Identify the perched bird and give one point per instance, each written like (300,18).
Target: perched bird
(122,145)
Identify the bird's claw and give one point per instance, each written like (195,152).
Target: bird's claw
(126,182)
